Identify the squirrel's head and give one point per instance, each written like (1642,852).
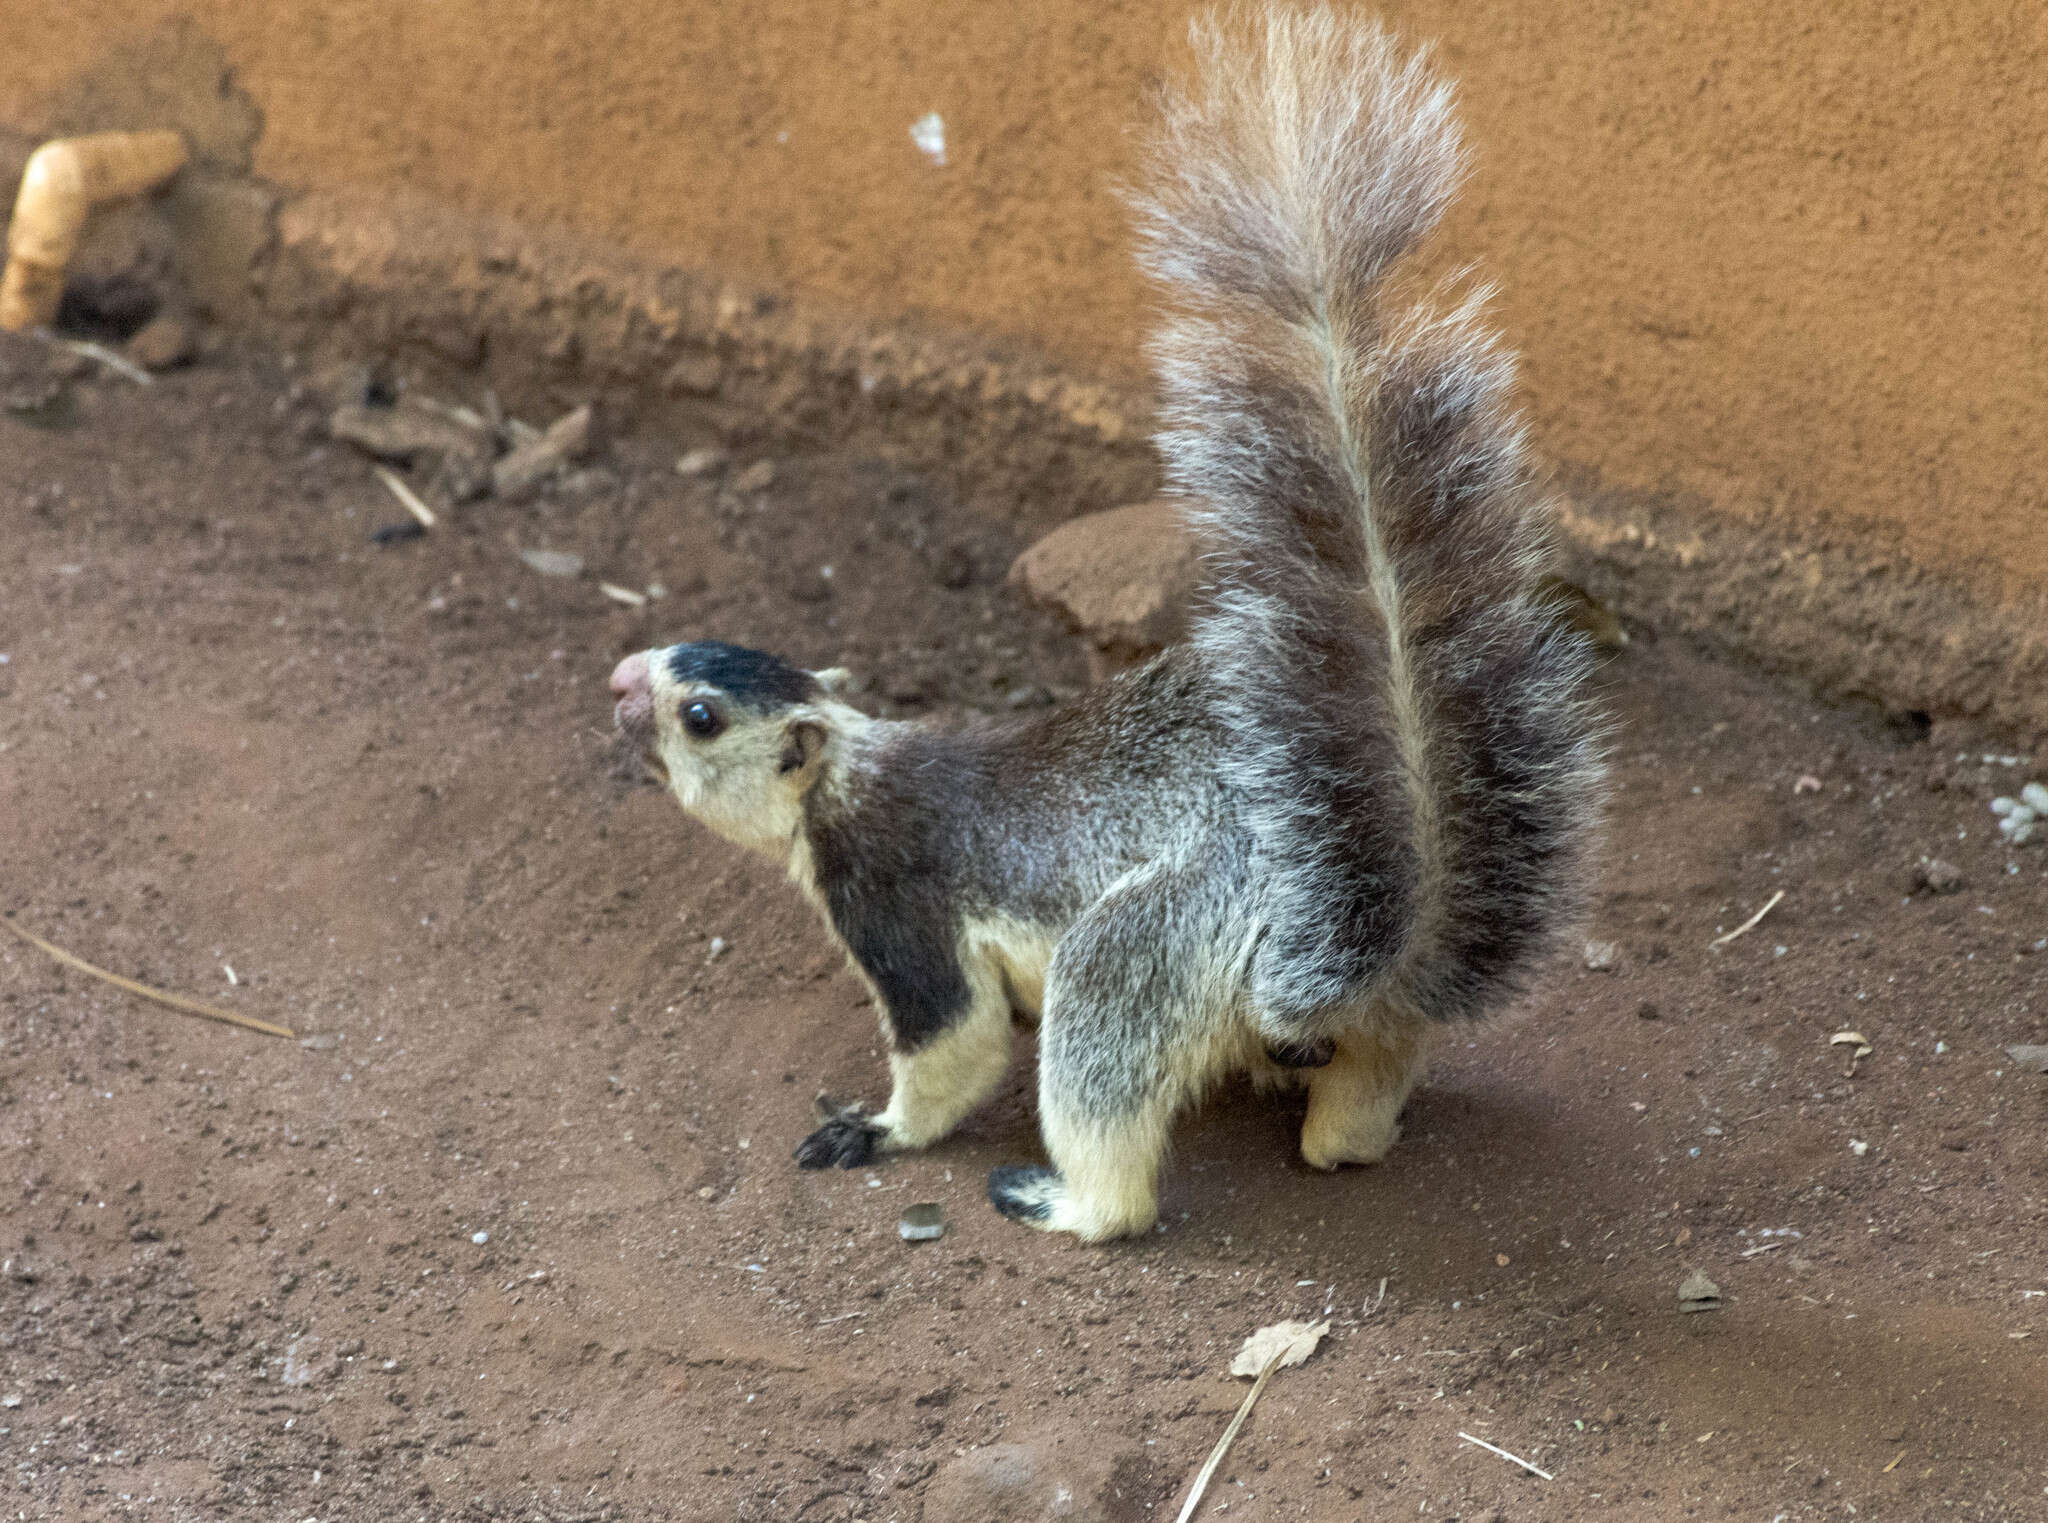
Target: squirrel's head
(742,735)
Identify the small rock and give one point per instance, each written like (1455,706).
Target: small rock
(922,1223)
(406,430)
(757,477)
(479,1238)
(1022,1482)
(1602,956)
(568,438)
(2030,1057)
(553,562)
(1807,783)
(707,1192)
(1860,1149)
(717,949)
(702,462)
(162,343)
(322,1042)
(1698,1293)
(1935,876)
(695,375)
(1123,579)
(2035,797)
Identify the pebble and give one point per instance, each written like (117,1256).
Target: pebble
(406,429)
(479,1238)
(757,477)
(702,462)
(531,463)
(1936,876)
(697,375)
(1601,956)
(553,562)
(717,951)
(922,1223)
(1698,1293)
(161,343)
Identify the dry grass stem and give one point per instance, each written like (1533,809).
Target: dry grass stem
(1515,1458)
(1223,1444)
(175,1001)
(407,496)
(1751,923)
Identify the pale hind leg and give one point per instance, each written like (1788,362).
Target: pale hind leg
(1355,1100)
(1132,1025)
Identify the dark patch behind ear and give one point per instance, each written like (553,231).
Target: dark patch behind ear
(806,738)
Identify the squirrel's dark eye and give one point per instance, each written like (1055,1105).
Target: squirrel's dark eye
(702,720)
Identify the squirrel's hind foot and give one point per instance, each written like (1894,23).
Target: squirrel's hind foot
(1041,1197)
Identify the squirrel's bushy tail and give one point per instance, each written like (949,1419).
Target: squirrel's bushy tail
(1419,765)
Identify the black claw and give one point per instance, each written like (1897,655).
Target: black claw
(1315,1054)
(1010,1192)
(847,1139)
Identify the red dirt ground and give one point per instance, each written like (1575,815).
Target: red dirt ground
(241,1280)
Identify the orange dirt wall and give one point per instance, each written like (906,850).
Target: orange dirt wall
(1777,259)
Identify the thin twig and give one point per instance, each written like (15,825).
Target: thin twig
(1516,1458)
(624,595)
(175,1001)
(1222,1444)
(1751,923)
(407,496)
(101,354)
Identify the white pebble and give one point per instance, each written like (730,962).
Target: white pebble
(2003,805)
(2035,796)
(1859,1148)
(929,133)
(479,1238)
(717,949)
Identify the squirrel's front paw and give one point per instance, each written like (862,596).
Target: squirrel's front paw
(848,1138)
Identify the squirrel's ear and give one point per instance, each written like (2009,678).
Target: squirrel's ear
(801,745)
(834,679)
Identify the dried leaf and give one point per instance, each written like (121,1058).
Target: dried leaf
(2030,1057)
(1292,1342)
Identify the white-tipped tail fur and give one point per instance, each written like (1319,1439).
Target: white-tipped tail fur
(1416,760)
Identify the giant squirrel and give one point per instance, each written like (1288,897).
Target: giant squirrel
(1357,804)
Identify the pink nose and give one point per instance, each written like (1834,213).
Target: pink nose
(634,713)
(630,675)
